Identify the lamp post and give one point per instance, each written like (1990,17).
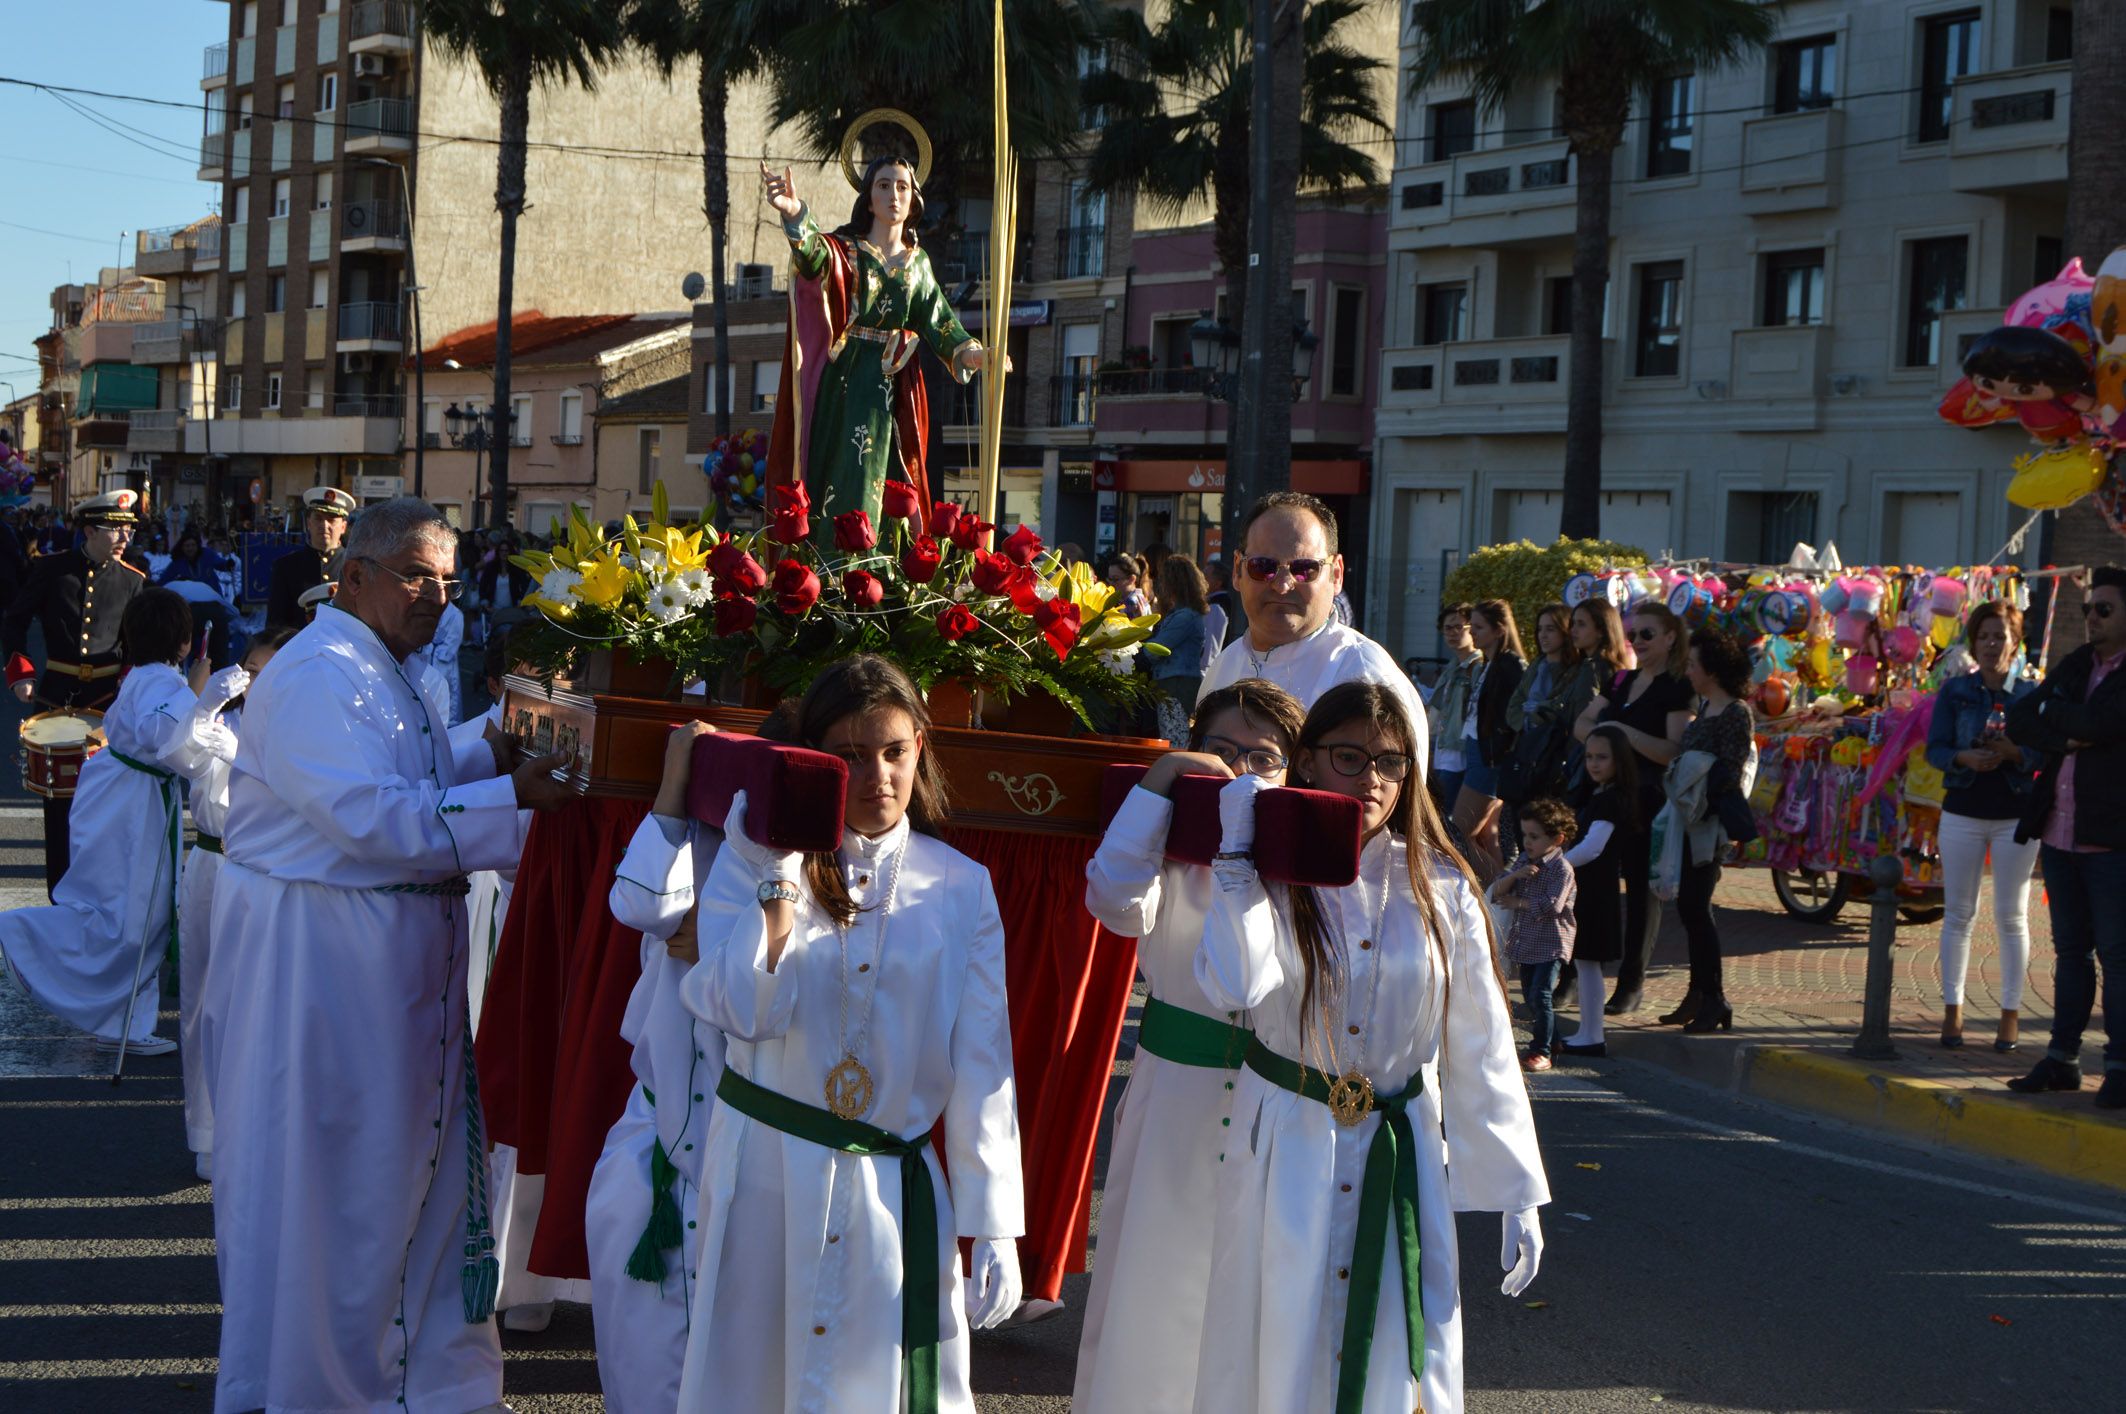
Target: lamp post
(1215,347)
(477,429)
(413,292)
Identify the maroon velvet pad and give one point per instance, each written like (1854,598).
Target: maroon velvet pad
(1301,836)
(794,797)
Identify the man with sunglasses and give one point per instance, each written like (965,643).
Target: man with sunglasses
(1289,577)
(2077,718)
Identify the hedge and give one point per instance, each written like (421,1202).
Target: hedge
(1528,575)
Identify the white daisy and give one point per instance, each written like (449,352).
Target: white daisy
(558,584)
(1043,590)
(699,586)
(650,558)
(669,601)
(1119,661)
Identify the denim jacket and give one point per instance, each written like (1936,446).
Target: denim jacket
(1960,712)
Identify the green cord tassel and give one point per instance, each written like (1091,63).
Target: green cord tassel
(480,1279)
(646,1262)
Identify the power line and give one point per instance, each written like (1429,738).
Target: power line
(60,235)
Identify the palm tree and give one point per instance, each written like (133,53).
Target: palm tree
(1598,53)
(1176,104)
(516,44)
(672,32)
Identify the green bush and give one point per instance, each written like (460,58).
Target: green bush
(1528,576)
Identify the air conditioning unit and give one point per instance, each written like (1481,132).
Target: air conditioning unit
(354,363)
(370,66)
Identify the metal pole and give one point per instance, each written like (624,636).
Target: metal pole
(420,377)
(1874,1040)
(1244,420)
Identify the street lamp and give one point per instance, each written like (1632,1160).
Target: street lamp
(1215,348)
(476,429)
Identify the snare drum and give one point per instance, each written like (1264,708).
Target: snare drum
(54,744)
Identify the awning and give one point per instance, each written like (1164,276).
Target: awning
(1341,477)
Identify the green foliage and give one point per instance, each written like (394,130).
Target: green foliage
(1528,576)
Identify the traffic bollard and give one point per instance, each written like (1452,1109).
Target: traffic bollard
(1874,1040)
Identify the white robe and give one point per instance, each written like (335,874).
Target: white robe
(195,932)
(442,653)
(1152,1268)
(799,1296)
(80,957)
(1306,669)
(347,1149)
(642,1325)
(1288,1198)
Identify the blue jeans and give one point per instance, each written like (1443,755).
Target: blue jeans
(2088,893)
(1538,981)
(1446,785)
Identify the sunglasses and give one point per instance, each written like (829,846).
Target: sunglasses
(1390,766)
(1645,635)
(2097,608)
(1261,761)
(1264,567)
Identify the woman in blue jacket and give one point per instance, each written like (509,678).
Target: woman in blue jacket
(1988,779)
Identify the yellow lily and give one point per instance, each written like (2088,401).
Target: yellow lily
(1079,585)
(682,552)
(605,580)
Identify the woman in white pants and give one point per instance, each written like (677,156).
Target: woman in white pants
(1988,782)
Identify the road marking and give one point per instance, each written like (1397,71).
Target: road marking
(179,1308)
(1587,1092)
(47,1371)
(80,1249)
(183,1197)
(84,1104)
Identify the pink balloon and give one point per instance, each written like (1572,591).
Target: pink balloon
(2042,302)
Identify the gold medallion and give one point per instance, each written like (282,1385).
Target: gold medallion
(849,1088)
(1350,1098)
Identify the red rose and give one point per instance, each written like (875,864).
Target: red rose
(743,575)
(1022,545)
(898,502)
(955,623)
(796,587)
(863,591)
(971,533)
(921,559)
(1058,621)
(793,515)
(853,531)
(1023,589)
(792,496)
(724,558)
(943,517)
(992,573)
(734,614)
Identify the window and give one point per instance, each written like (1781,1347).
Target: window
(313,391)
(243,112)
(2050,255)
(1660,341)
(767,382)
(1442,313)
(320,281)
(649,459)
(432,422)
(1938,285)
(232,391)
(1084,243)
(1764,526)
(250,19)
(238,300)
(1806,74)
(322,200)
(730,388)
(276,293)
(1081,353)
(571,419)
(1092,59)
(1670,126)
(284,101)
(1557,304)
(328,92)
(1948,49)
(281,188)
(1453,130)
(242,213)
(1793,289)
(1347,342)
(273,391)
(520,431)
(2059,34)
(287,13)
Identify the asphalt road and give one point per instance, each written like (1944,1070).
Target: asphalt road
(1705,1253)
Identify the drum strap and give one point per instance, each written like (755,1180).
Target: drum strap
(173,829)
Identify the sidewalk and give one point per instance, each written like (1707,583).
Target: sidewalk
(1797,990)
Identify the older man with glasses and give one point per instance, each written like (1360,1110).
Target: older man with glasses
(2078,719)
(1289,575)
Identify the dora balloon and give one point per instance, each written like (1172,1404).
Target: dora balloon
(2032,375)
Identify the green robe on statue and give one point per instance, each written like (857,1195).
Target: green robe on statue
(853,433)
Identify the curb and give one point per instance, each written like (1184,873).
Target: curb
(2080,1146)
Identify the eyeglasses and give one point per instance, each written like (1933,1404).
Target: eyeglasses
(422,585)
(1645,635)
(1390,766)
(1263,567)
(1261,761)
(2098,608)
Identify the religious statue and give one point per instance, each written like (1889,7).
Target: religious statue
(853,412)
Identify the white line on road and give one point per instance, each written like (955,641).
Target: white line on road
(1587,1092)
(183,1197)
(178,1308)
(77,1249)
(46,1371)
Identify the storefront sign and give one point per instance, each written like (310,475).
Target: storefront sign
(1025,314)
(1345,477)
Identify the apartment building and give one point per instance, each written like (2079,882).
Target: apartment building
(1802,245)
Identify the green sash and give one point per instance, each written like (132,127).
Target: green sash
(210,843)
(1187,1037)
(919,1223)
(174,827)
(1390,1186)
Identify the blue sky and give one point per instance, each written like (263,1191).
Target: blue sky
(60,172)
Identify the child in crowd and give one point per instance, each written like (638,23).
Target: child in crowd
(1609,812)
(1540,893)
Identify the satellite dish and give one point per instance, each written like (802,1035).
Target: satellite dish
(693,285)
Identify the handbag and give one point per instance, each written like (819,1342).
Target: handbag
(1540,764)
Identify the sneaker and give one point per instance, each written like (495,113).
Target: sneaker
(203,1165)
(2111,1095)
(532,1316)
(152,1046)
(1535,1060)
(2048,1074)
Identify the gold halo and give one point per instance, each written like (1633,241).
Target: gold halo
(899,119)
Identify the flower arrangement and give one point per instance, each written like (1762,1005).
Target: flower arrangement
(784,602)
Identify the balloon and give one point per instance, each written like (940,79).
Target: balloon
(748,483)
(2046,481)
(2040,302)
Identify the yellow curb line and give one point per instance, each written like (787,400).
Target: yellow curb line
(2081,1147)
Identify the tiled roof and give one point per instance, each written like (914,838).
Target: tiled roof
(658,400)
(537,339)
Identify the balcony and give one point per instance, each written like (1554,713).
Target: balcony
(380,127)
(387,405)
(2008,130)
(1492,196)
(1960,328)
(162,342)
(213,156)
(156,430)
(373,327)
(372,226)
(1072,398)
(1081,252)
(1489,385)
(174,249)
(1776,378)
(381,27)
(1153,382)
(567,439)
(1791,161)
(214,67)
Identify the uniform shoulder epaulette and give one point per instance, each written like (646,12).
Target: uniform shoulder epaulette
(128,564)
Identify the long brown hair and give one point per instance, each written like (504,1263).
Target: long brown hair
(1560,618)
(1661,614)
(1182,585)
(1499,614)
(1414,816)
(854,687)
(1615,652)
(1625,762)
(1261,701)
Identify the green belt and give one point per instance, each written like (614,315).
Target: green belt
(1187,1037)
(1390,1186)
(919,1223)
(167,780)
(210,843)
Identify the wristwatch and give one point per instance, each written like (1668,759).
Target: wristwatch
(772,890)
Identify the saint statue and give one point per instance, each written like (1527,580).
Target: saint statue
(853,411)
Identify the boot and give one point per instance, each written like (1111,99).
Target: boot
(1685,1012)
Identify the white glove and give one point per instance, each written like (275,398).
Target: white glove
(993,1287)
(224,687)
(1520,1250)
(768,865)
(1236,812)
(213,736)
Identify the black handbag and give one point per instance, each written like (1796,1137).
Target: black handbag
(1540,762)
